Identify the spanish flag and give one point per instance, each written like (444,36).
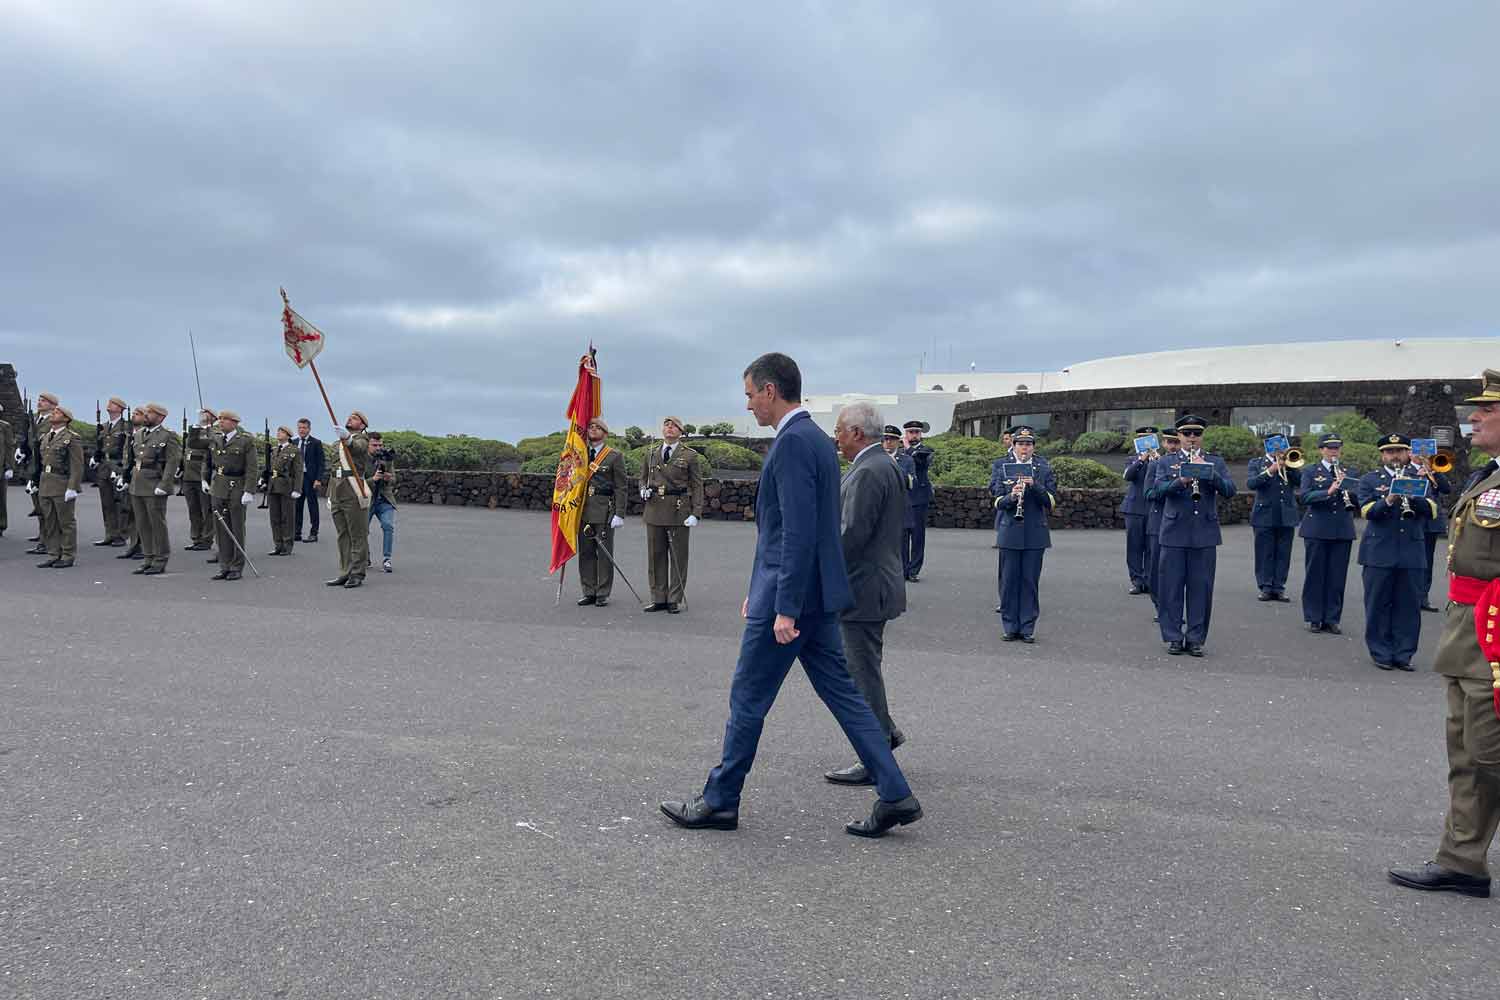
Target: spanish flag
(571,487)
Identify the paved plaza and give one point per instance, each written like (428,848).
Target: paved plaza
(441,785)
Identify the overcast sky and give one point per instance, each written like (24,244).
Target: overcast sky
(463,196)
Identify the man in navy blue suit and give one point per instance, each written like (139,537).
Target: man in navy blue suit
(798,586)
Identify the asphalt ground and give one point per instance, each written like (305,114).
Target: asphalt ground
(441,785)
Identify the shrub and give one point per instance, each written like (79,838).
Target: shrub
(689,430)
(635,461)
(551,444)
(1098,443)
(962,471)
(723,428)
(635,436)
(1362,457)
(494,454)
(1058,446)
(1232,444)
(1085,474)
(542,464)
(723,455)
(1351,427)
(456,453)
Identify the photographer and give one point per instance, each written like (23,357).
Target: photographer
(383,495)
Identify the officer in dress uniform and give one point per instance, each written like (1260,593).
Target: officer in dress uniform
(283,490)
(349,508)
(1024,538)
(138,422)
(891,441)
(150,480)
(61,478)
(1393,555)
(1137,509)
(1189,539)
(198,449)
(7,466)
(1273,518)
(605,503)
(236,462)
(1437,527)
(672,487)
(998,488)
(1170,445)
(918,499)
(1328,493)
(41,425)
(109,463)
(1469,660)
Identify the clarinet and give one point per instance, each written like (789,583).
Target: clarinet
(1349,503)
(1197,489)
(1020,514)
(1406,512)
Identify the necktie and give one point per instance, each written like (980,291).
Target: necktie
(666,454)
(592,455)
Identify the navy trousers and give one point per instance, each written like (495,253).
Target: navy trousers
(1187,593)
(1427,575)
(1393,613)
(1153,568)
(1326,569)
(1135,550)
(1273,558)
(1020,589)
(914,540)
(762,666)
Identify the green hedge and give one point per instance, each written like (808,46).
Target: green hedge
(1098,443)
(1057,446)
(1363,457)
(1351,427)
(723,455)
(1232,444)
(1084,474)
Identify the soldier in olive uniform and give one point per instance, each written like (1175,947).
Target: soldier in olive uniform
(601,516)
(236,461)
(196,471)
(348,504)
(41,424)
(61,478)
(672,487)
(284,490)
(7,466)
(156,461)
(1470,673)
(107,464)
(138,424)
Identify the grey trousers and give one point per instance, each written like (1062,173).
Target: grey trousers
(864,645)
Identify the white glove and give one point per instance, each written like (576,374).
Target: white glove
(330,503)
(296,496)
(645,493)
(247,498)
(177,474)
(204,484)
(342,432)
(30,486)
(617,521)
(8,473)
(93,463)
(19,455)
(691,522)
(160,492)
(70,495)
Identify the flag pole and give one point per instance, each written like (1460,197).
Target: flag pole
(561,576)
(343,447)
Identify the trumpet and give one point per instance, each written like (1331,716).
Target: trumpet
(1442,461)
(1293,459)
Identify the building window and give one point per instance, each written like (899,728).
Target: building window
(1288,420)
(1039,422)
(1126,421)
(937,388)
(963,388)
(973,428)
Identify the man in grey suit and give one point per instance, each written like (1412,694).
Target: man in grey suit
(872,501)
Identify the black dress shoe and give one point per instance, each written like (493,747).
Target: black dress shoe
(1315,626)
(599,602)
(233,574)
(1136,590)
(312,539)
(699,815)
(135,554)
(62,564)
(1382,664)
(1399,665)
(337,581)
(997,610)
(1156,619)
(1332,629)
(658,606)
(154,571)
(1010,637)
(912,578)
(1029,639)
(222,574)
(276,552)
(139,571)
(1174,648)
(1265,595)
(856,775)
(48,564)
(202,546)
(1427,606)
(1433,877)
(584,602)
(37,550)
(123,555)
(103,542)
(673,609)
(117,543)
(886,815)
(1193,648)
(353,582)
(898,738)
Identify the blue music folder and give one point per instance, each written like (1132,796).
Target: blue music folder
(1147,442)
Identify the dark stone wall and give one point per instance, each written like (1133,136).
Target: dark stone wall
(10,398)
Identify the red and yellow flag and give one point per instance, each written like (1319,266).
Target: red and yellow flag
(571,487)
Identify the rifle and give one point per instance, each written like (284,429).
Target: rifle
(182,457)
(23,447)
(265,474)
(98,435)
(122,480)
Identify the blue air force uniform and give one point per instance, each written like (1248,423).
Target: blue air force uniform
(1189,546)
(1274,521)
(919,498)
(1393,555)
(1437,528)
(1023,542)
(1137,509)
(1327,536)
(1153,524)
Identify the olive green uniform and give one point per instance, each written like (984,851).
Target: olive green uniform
(132,530)
(606,498)
(236,465)
(40,425)
(156,460)
(1473,729)
(7,464)
(349,517)
(61,456)
(195,472)
(676,493)
(113,503)
(286,478)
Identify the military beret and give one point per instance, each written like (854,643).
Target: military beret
(117,401)
(672,420)
(1190,422)
(892,431)
(229,415)
(917,425)
(1330,441)
(361,415)
(64,411)
(137,409)
(602,425)
(1393,441)
(284,427)
(47,396)
(1489,391)
(156,408)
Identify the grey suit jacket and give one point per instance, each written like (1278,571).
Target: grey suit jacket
(872,500)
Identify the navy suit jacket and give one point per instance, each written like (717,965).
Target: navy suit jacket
(1031,532)
(799,560)
(1135,501)
(1391,541)
(1275,499)
(1186,523)
(920,494)
(1328,517)
(312,463)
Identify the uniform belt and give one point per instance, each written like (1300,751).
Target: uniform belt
(675,493)
(1466,589)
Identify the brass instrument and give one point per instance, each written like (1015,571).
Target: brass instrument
(1442,462)
(1293,459)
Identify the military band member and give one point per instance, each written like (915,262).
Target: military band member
(601,516)
(1007,441)
(236,464)
(891,441)
(1024,503)
(195,472)
(1190,538)
(1437,527)
(1392,552)
(1470,673)
(283,490)
(348,505)
(1137,509)
(918,499)
(672,487)
(155,464)
(61,477)
(41,426)
(1328,493)
(1171,444)
(1273,518)
(107,465)
(7,466)
(138,423)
